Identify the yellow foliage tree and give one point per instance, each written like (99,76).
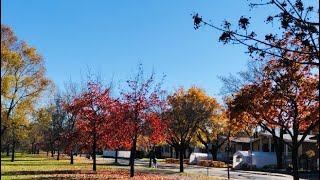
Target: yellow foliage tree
(189,110)
(22,82)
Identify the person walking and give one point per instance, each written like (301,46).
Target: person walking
(154,160)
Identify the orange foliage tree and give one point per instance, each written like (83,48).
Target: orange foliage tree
(286,97)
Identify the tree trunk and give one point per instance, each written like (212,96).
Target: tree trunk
(150,157)
(279,152)
(13,147)
(214,152)
(47,153)
(116,157)
(171,153)
(32,147)
(295,171)
(71,157)
(94,166)
(51,147)
(132,156)
(8,149)
(38,151)
(278,145)
(181,159)
(58,156)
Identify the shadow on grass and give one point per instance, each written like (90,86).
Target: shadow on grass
(8,160)
(112,164)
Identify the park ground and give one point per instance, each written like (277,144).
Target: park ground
(39,166)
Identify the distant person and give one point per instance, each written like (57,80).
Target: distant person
(154,160)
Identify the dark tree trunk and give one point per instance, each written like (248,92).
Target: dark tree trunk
(38,151)
(295,171)
(94,147)
(132,156)
(47,153)
(71,157)
(278,144)
(32,147)
(35,149)
(58,156)
(52,152)
(171,153)
(181,159)
(13,147)
(214,152)
(150,157)
(116,157)
(8,149)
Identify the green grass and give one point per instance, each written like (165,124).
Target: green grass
(39,166)
(28,166)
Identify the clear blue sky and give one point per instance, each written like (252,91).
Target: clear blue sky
(112,37)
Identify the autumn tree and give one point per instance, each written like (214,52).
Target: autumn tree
(189,110)
(71,134)
(42,119)
(139,102)
(298,18)
(22,82)
(214,132)
(287,96)
(93,116)
(241,122)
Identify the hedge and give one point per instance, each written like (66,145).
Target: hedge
(176,161)
(210,163)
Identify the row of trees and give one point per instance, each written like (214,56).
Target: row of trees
(90,118)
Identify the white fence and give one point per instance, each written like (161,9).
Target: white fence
(121,154)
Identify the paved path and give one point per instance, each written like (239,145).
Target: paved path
(218,172)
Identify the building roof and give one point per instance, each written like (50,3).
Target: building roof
(315,137)
(242,139)
(287,137)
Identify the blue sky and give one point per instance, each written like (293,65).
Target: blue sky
(112,37)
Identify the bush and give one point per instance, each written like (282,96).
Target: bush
(210,163)
(176,161)
(140,154)
(270,166)
(290,167)
(247,166)
(310,153)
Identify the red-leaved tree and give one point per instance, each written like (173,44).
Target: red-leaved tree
(140,102)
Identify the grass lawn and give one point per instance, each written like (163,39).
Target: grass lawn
(38,166)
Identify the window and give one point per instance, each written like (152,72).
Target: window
(238,158)
(167,149)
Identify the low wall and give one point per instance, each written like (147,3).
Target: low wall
(121,154)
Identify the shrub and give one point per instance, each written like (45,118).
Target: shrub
(176,161)
(247,166)
(270,166)
(310,153)
(290,167)
(210,163)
